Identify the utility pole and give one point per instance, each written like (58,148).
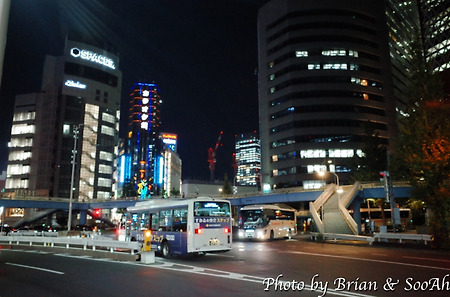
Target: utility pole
(76,130)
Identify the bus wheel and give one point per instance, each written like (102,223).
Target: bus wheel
(272,235)
(165,249)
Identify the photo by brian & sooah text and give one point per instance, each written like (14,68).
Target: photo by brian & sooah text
(436,284)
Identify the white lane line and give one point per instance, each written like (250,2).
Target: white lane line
(428,259)
(366,260)
(237,276)
(35,268)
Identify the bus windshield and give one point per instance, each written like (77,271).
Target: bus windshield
(211,209)
(253,219)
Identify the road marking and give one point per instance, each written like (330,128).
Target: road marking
(367,260)
(35,268)
(236,276)
(428,259)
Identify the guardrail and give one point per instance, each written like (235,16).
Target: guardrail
(335,237)
(402,236)
(371,239)
(74,242)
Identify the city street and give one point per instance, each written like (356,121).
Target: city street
(278,268)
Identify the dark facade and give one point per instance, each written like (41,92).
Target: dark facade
(325,70)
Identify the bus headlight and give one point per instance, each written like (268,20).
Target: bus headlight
(260,234)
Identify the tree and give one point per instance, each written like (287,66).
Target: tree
(227,189)
(424,151)
(374,160)
(174,192)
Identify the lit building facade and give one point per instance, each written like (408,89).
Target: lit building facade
(325,69)
(435,23)
(248,159)
(75,115)
(143,145)
(169,166)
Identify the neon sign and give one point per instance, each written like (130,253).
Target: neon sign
(74,84)
(170,136)
(93,57)
(145,109)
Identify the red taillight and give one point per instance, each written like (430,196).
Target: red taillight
(198,231)
(227,230)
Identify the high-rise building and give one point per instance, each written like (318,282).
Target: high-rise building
(435,24)
(142,144)
(326,68)
(75,115)
(248,159)
(4,16)
(168,166)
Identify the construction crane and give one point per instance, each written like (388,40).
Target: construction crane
(212,156)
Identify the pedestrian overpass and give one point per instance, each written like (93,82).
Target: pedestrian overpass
(327,200)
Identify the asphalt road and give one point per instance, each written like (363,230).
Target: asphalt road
(278,268)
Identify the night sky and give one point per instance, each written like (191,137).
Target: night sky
(202,54)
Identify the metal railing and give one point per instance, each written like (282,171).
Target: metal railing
(75,242)
(402,236)
(335,237)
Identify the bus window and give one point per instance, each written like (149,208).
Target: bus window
(211,209)
(180,219)
(165,220)
(154,221)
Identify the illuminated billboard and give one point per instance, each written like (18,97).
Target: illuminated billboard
(170,140)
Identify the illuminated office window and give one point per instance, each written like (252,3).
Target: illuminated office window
(108,118)
(22,129)
(104,182)
(312,154)
(313,66)
(333,52)
(106,156)
(300,54)
(335,66)
(341,153)
(108,130)
(104,169)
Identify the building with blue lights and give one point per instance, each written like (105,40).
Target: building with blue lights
(138,160)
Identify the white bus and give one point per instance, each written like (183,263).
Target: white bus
(182,226)
(267,221)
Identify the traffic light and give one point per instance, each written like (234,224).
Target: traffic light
(147,240)
(384,175)
(97,212)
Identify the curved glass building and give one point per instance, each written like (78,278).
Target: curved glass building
(325,70)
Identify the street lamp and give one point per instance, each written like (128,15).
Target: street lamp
(76,130)
(339,189)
